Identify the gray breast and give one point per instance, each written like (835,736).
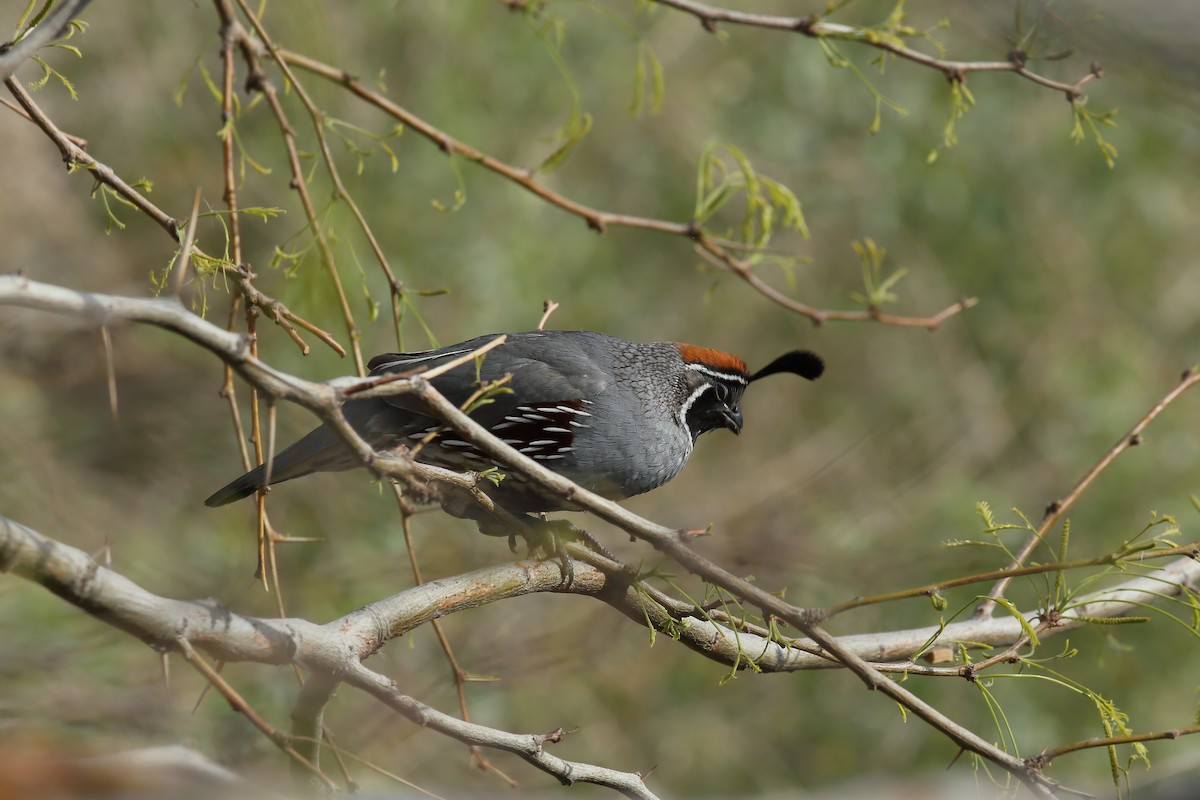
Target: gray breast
(634,442)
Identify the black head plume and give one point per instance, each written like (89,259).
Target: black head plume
(804,363)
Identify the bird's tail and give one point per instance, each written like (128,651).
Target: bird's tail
(319,451)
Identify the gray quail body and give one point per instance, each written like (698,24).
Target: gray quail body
(616,417)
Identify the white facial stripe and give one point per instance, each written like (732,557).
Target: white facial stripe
(712,373)
(687,405)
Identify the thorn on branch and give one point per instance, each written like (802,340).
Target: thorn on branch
(940,655)
(1054,508)
(694,231)
(596,223)
(687,536)
(709,24)
(1018,57)
(806,25)
(555,736)
(1135,440)
(1096,70)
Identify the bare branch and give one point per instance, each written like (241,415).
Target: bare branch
(1058,508)
(813,27)
(334,649)
(259,82)
(599,220)
(325,399)
(74,155)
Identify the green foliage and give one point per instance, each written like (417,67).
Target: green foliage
(26,23)
(768,204)
(379,141)
(492,475)
(877,288)
(961,101)
(108,196)
(1032,416)
(839,61)
(460,192)
(649,66)
(551,32)
(1093,122)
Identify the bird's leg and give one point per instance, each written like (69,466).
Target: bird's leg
(572,533)
(538,532)
(542,535)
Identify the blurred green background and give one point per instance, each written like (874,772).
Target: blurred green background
(1088,290)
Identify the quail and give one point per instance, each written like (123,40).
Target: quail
(616,417)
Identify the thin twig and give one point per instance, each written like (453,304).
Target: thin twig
(185,247)
(597,219)
(110,367)
(1056,510)
(548,308)
(459,675)
(812,26)
(74,155)
(1008,573)
(276,737)
(78,141)
(1043,758)
(258,81)
(54,26)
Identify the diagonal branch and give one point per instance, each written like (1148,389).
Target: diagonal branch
(600,220)
(330,649)
(325,399)
(13,54)
(259,82)
(1058,508)
(74,155)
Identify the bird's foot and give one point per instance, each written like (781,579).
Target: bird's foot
(540,534)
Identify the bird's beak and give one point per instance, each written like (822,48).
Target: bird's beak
(732,417)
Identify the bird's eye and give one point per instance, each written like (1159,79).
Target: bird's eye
(722,392)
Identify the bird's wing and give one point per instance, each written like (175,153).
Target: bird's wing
(546,367)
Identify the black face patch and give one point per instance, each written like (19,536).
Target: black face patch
(714,403)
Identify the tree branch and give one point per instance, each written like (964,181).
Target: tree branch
(1057,509)
(74,155)
(13,54)
(599,220)
(325,399)
(813,27)
(334,649)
